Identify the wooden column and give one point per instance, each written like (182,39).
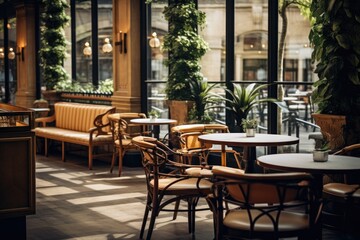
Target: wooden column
(25,37)
(126,57)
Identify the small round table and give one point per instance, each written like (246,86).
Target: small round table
(156,122)
(302,162)
(249,144)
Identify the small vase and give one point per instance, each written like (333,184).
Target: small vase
(250,132)
(320,156)
(153,118)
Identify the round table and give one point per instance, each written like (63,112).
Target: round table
(155,122)
(302,162)
(249,144)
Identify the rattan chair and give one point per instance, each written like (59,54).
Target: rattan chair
(123,131)
(345,194)
(190,146)
(167,183)
(265,206)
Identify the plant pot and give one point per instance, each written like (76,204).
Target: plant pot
(250,132)
(179,110)
(320,156)
(153,118)
(332,129)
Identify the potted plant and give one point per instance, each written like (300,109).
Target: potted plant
(250,126)
(154,114)
(53,42)
(203,100)
(185,48)
(335,36)
(242,100)
(321,154)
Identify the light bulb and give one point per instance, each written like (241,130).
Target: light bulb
(11,54)
(87,49)
(107,46)
(154,42)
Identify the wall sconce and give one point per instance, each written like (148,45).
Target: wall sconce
(154,41)
(87,49)
(21,52)
(107,48)
(2,55)
(121,39)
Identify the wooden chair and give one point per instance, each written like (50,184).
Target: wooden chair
(265,206)
(190,145)
(123,131)
(345,194)
(167,182)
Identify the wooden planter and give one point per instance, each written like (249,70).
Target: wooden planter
(332,128)
(179,110)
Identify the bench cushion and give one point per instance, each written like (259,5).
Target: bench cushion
(78,116)
(71,136)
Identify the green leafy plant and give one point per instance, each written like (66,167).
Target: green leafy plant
(106,86)
(203,100)
(185,47)
(243,99)
(154,113)
(335,36)
(249,123)
(53,42)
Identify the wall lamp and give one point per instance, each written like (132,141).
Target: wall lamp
(107,48)
(121,39)
(21,53)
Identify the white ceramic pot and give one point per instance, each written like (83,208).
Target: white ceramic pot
(250,132)
(320,156)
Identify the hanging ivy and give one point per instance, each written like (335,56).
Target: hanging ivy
(53,42)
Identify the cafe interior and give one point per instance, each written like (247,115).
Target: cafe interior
(179,119)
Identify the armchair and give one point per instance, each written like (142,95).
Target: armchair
(267,206)
(167,183)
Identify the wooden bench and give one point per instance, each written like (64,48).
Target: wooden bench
(83,124)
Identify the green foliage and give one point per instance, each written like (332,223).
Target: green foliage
(67,85)
(53,42)
(203,99)
(243,99)
(154,113)
(335,36)
(249,123)
(185,47)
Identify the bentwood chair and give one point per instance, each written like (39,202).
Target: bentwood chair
(265,206)
(190,146)
(343,195)
(167,183)
(122,132)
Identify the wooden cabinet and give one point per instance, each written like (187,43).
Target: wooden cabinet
(17,169)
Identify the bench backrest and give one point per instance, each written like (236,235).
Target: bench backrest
(79,116)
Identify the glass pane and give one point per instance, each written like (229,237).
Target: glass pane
(213,62)
(2,67)
(11,26)
(297,74)
(157,71)
(83,36)
(105,39)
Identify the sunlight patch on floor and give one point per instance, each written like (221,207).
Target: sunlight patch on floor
(86,200)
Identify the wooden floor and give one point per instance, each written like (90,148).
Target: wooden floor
(75,203)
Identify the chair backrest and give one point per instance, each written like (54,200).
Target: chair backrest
(79,116)
(351,150)
(155,156)
(271,188)
(134,128)
(261,205)
(118,128)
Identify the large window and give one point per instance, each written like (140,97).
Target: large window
(239,43)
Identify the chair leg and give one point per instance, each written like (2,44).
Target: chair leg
(63,151)
(115,151)
(121,156)
(177,204)
(146,214)
(46,147)
(154,213)
(90,156)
